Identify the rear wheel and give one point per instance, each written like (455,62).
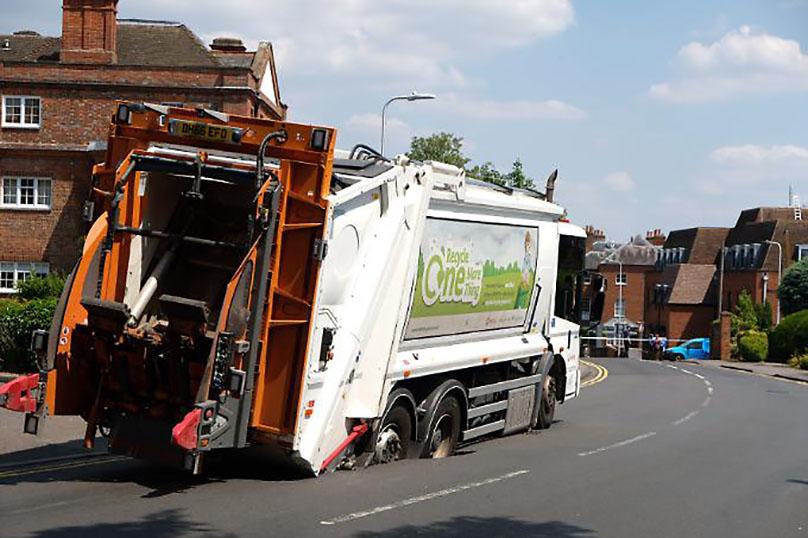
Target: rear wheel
(444,433)
(547,404)
(393,441)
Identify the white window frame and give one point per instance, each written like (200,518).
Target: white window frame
(802,251)
(23,124)
(36,206)
(621,278)
(20,268)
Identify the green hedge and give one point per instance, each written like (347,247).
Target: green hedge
(753,346)
(18,320)
(790,338)
(41,287)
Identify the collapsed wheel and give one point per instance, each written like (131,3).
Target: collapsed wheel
(393,441)
(547,404)
(444,431)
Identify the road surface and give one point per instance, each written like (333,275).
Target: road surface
(651,450)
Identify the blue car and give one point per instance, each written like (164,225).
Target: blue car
(698,348)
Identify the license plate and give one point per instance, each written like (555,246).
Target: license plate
(205,131)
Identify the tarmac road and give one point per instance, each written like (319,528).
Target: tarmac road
(653,449)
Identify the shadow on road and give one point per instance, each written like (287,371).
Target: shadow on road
(797,481)
(53,450)
(163,524)
(484,526)
(246,464)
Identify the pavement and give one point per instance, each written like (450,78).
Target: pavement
(652,449)
(782,371)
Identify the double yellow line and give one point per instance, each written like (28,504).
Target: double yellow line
(57,466)
(602,374)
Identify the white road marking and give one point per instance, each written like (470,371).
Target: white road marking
(709,390)
(700,377)
(706,401)
(421,498)
(685,418)
(618,445)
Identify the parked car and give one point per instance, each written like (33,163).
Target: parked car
(698,348)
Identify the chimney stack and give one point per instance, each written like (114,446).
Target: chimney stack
(227,45)
(89,31)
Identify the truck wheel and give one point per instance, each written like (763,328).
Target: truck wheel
(547,404)
(445,431)
(393,441)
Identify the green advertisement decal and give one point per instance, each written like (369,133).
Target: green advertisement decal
(472,277)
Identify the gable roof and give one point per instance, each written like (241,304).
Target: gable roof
(140,43)
(691,283)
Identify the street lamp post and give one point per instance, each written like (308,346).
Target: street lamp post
(620,285)
(414,96)
(779,273)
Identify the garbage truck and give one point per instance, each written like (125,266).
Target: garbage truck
(243,283)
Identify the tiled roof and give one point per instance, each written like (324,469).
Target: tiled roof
(139,43)
(161,45)
(638,251)
(29,48)
(702,244)
(691,283)
(765,214)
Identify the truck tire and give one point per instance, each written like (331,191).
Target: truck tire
(393,441)
(547,403)
(444,432)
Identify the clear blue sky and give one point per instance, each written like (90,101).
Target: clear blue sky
(658,115)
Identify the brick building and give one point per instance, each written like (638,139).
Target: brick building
(625,285)
(57,98)
(752,252)
(681,294)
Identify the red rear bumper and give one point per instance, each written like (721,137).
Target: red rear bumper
(19,395)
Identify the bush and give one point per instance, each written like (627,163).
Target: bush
(17,321)
(753,346)
(50,286)
(790,338)
(750,316)
(800,361)
(793,290)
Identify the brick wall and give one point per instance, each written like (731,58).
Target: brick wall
(53,236)
(689,321)
(736,282)
(78,115)
(633,291)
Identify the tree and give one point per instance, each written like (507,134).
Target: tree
(749,316)
(448,148)
(517,178)
(443,147)
(486,172)
(793,290)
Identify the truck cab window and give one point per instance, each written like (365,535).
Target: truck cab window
(568,283)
